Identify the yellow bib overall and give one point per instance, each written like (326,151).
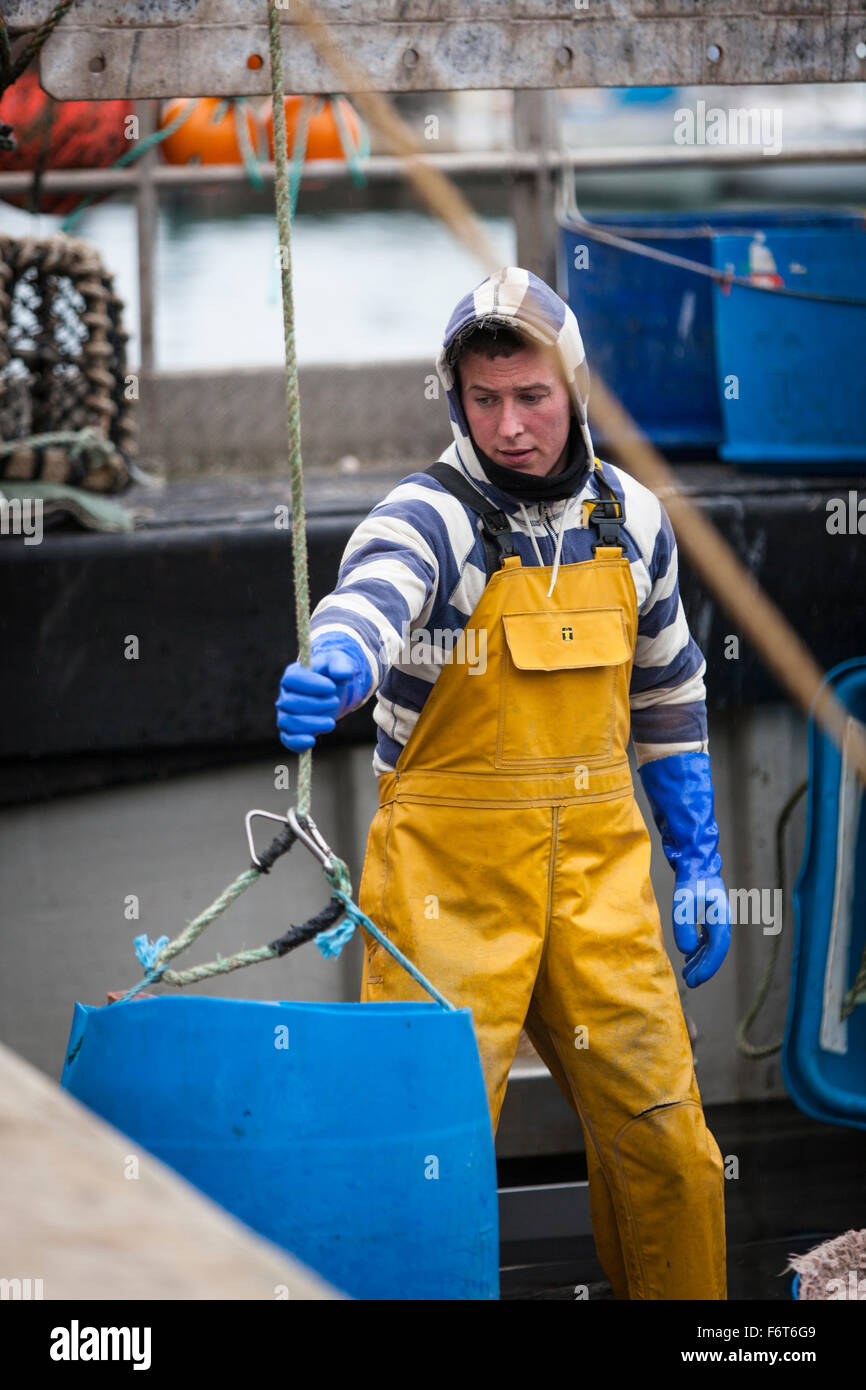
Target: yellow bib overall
(509,861)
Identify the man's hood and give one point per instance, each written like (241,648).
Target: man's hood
(524,302)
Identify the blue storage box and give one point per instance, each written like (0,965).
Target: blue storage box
(795,399)
(649,327)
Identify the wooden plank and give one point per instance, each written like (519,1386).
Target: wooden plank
(144,14)
(164,48)
(533,194)
(73,1219)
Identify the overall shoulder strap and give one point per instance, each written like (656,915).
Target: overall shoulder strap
(492,522)
(607,515)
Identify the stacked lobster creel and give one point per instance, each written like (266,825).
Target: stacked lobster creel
(63,365)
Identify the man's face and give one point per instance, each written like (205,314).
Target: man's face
(518,409)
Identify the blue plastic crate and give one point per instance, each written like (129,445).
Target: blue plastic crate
(649,327)
(795,399)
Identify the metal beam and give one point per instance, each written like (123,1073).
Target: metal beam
(165,48)
(547,1211)
(147,226)
(492,164)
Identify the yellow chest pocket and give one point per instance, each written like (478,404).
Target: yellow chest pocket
(562,673)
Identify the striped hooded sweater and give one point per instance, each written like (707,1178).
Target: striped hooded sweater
(414,569)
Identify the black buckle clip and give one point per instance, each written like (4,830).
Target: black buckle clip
(499,537)
(607,516)
(495,522)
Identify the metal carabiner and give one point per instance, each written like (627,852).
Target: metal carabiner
(268,815)
(309,834)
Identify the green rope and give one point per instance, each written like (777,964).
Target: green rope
(194,929)
(855,996)
(338,873)
(353,155)
(338,876)
(245,144)
(88,438)
(750,1049)
(310,107)
(299,535)
(286,189)
(222,965)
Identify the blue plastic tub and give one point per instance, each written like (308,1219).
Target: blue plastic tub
(824,1058)
(355,1136)
(800,402)
(649,328)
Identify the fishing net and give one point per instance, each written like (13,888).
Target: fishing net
(833,1271)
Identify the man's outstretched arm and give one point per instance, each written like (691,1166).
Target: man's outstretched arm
(388,575)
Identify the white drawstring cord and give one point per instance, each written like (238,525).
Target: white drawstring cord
(558,550)
(528,524)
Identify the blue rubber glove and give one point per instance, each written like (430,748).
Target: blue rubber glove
(680,793)
(313,698)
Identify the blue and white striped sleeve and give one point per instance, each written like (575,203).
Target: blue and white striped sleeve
(668,695)
(388,577)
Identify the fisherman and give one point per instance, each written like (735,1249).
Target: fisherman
(508,858)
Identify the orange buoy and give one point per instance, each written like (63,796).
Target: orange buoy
(60,135)
(323,134)
(201,139)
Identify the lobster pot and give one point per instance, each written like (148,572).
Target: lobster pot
(63,367)
(355,1136)
(824,1055)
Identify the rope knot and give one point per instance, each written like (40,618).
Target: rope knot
(148,951)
